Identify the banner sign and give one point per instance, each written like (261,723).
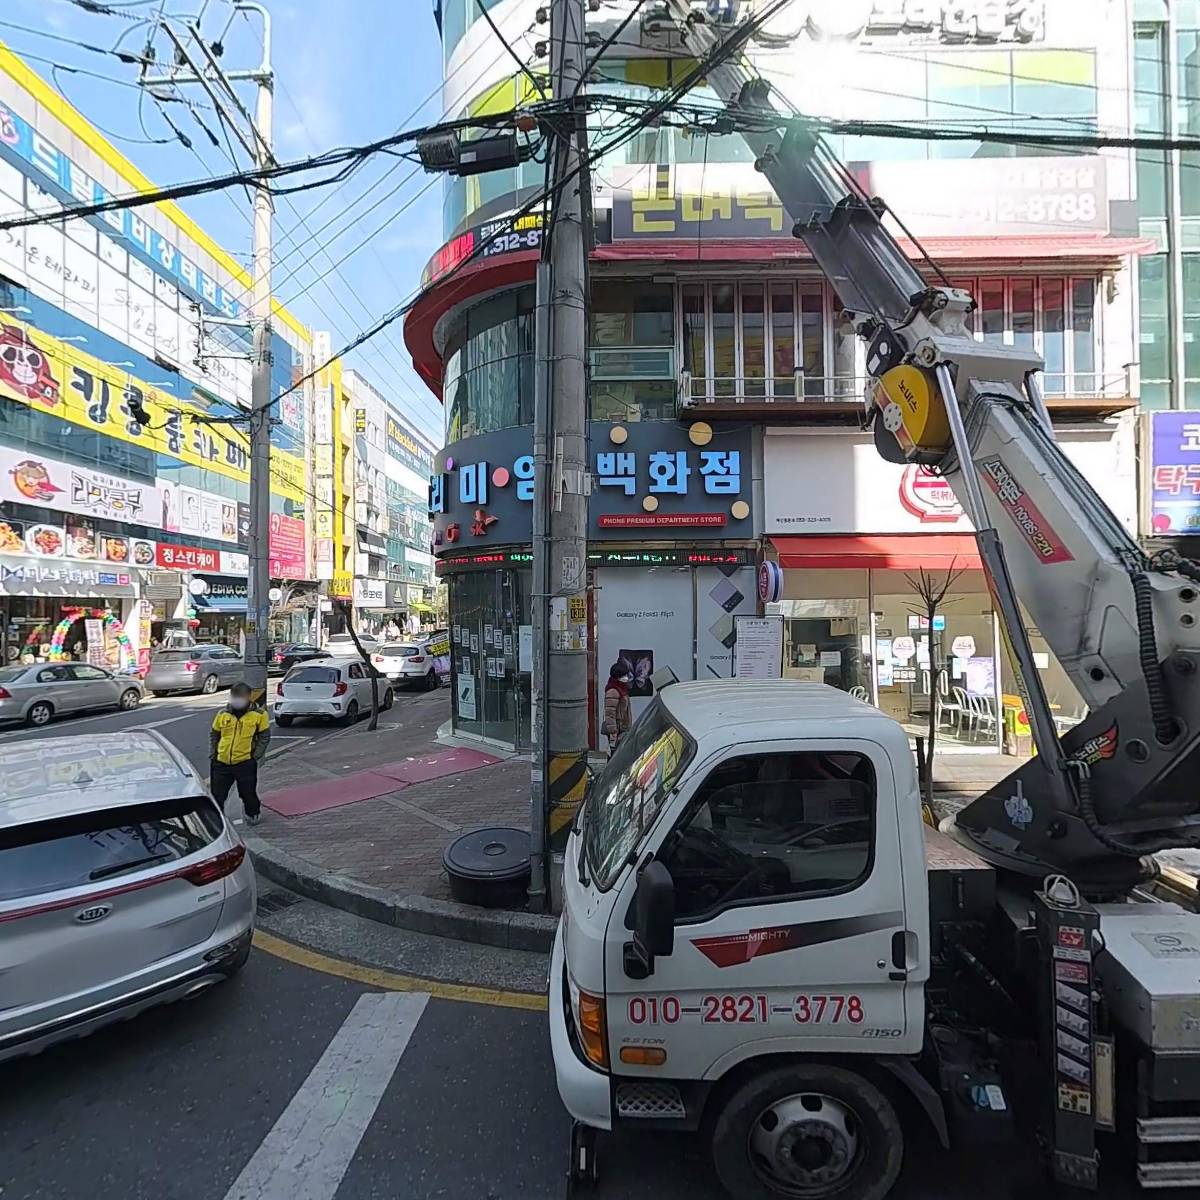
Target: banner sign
(56,168)
(288,554)
(648,477)
(1174,473)
(58,378)
(30,478)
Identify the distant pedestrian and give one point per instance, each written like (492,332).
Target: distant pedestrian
(238,742)
(617,713)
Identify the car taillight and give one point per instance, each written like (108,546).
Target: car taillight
(5,694)
(341,689)
(378,658)
(215,868)
(190,666)
(279,688)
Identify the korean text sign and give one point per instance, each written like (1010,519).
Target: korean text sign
(1175,473)
(657,480)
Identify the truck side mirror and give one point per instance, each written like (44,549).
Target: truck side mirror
(654,920)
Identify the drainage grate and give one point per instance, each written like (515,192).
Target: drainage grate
(649,1100)
(273,902)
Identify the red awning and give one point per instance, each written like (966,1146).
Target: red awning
(889,552)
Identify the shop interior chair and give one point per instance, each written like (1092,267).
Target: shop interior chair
(967,715)
(860,693)
(949,712)
(985,715)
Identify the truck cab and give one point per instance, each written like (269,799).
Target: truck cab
(746,884)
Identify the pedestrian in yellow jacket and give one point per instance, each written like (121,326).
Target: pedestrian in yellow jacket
(238,742)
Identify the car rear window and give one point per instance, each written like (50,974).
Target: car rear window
(312,675)
(178,655)
(70,852)
(9,674)
(400,651)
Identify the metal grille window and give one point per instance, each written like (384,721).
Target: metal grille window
(754,341)
(1056,316)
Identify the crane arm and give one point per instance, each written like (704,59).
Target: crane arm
(1119,785)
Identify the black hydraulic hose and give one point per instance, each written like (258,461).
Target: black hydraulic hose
(1165,726)
(1087,811)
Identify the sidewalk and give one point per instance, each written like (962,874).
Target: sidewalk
(359,820)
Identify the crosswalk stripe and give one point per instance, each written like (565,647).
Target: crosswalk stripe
(309,1149)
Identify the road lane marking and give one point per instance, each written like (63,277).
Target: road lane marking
(310,1147)
(393,981)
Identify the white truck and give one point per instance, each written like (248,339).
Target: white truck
(760,937)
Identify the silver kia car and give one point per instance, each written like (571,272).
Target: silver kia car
(122,886)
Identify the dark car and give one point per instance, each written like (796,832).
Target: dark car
(285,655)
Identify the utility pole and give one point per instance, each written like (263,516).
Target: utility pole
(562,550)
(218,83)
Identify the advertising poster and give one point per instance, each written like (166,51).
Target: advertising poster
(94,632)
(465,697)
(645,620)
(287,549)
(30,478)
(723,594)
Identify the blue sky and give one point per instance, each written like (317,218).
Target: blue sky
(347,71)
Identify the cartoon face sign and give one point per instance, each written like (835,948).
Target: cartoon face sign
(8,128)
(32,480)
(24,368)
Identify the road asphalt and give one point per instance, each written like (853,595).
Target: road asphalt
(353,1061)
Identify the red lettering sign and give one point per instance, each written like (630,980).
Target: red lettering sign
(646,520)
(186,558)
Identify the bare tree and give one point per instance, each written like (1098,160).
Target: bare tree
(931,595)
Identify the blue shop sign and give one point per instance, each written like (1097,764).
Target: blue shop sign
(648,478)
(68,178)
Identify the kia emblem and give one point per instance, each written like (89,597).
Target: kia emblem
(89,916)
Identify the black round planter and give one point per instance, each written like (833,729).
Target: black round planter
(489,867)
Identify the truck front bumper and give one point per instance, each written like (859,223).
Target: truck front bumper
(585,1091)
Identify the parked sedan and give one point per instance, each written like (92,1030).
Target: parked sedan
(122,886)
(331,688)
(196,669)
(285,655)
(407,663)
(37,694)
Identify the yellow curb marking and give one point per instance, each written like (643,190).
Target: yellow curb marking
(392,981)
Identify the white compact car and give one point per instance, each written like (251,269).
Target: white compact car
(408,663)
(341,645)
(122,886)
(334,689)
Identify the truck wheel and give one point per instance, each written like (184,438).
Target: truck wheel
(583,1174)
(810,1130)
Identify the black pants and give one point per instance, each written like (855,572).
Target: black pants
(222,776)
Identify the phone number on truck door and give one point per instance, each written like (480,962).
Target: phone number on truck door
(732,1008)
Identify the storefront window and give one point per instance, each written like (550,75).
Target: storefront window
(632,312)
(724,340)
(812,328)
(1022,313)
(754,342)
(990,299)
(491,693)
(959,680)
(783,339)
(827,629)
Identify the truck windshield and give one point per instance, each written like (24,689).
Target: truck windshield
(638,778)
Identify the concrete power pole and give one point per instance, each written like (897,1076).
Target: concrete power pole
(218,83)
(563,549)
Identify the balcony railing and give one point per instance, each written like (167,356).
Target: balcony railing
(721,392)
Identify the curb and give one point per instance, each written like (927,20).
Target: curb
(421,914)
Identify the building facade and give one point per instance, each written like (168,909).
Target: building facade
(393,584)
(119,531)
(725,386)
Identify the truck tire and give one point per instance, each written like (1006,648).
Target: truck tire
(808,1130)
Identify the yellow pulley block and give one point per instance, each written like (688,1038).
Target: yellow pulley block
(911,409)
